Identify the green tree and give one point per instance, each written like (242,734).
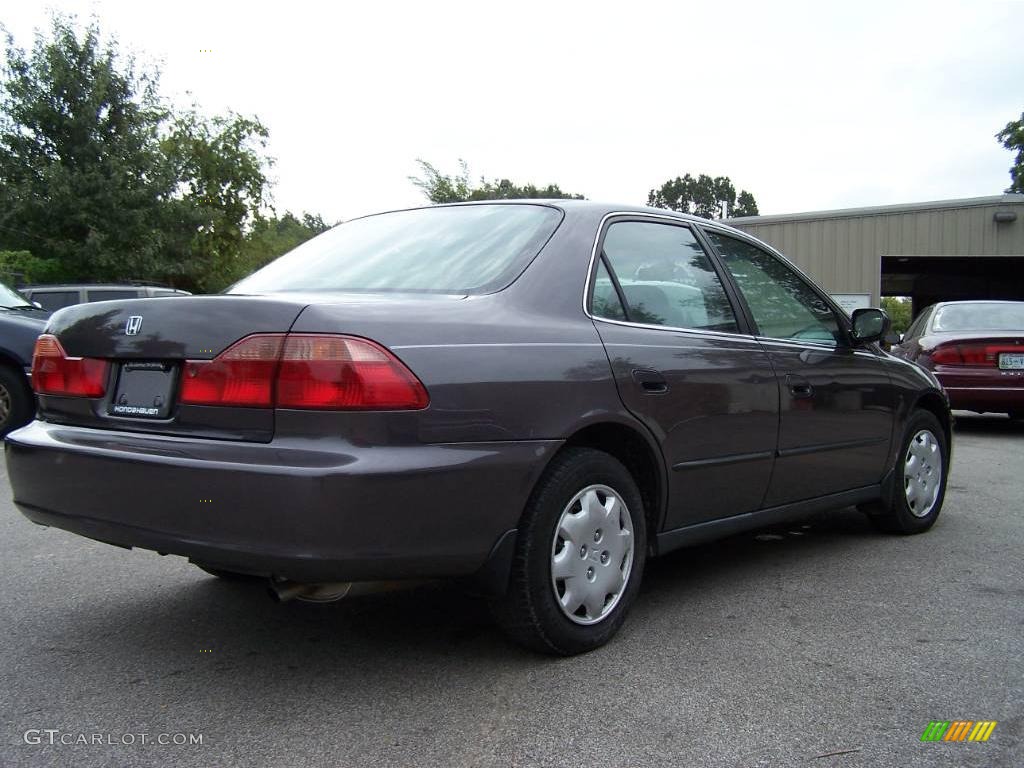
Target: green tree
(273,236)
(21,267)
(711,198)
(219,168)
(446,188)
(81,175)
(100,180)
(1012,137)
(898,310)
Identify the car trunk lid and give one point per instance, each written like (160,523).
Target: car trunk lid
(145,343)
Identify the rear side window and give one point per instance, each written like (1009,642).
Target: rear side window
(606,301)
(111,294)
(917,327)
(448,249)
(54,300)
(666,277)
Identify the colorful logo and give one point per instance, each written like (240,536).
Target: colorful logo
(958,730)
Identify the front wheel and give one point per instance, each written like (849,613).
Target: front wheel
(579,556)
(922,466)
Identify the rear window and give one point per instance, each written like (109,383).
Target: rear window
(455,249)
(980,317)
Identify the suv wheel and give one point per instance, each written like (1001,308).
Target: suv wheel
(922,466)
(579,556)
(16,402)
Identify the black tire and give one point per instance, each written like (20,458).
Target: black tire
(222,574)
(17,404)
(898,517)
(529,612)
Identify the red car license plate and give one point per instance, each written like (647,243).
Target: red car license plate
(1011,361)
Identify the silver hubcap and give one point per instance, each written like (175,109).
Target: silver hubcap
(922,473)
(592,554)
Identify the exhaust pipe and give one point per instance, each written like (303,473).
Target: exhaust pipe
(283,590)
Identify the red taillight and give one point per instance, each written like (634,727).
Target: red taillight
(303,371)
(984,355)
(243,374)
(54,373)
(344,373)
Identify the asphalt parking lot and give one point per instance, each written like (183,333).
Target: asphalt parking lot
(821,644)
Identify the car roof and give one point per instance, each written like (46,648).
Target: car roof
(576,206)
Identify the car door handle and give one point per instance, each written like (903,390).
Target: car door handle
(799,387)
(651,382)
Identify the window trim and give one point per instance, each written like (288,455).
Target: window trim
(744,329)
(842,321)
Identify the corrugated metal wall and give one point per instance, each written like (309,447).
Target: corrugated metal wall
(843,250)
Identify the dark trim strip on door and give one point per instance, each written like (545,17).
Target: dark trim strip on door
(785,453)
(721,461)
(710,530)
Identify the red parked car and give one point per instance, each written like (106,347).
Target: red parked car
(976,349)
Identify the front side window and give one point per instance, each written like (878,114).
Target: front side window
(783,305)
(666,278)
(448,249)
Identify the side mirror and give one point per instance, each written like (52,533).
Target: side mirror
(869,324)
(892,338)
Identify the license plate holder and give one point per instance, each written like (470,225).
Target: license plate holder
(144,390)
(1011,361)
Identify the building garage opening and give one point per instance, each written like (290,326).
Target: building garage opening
(930,279)
(940,251)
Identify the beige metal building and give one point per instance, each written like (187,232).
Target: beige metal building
(939,251)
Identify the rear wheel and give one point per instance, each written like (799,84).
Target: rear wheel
(16,401)
(579,556)
(922,465)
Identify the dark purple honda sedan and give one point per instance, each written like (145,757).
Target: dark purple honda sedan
(537,395)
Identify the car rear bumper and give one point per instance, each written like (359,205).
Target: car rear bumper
(984,390)
(334,513)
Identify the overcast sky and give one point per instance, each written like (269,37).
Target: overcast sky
(809,106)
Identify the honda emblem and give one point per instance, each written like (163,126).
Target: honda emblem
(133,326)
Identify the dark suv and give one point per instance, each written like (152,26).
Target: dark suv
(536,395)
(54,297)
(21,322)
